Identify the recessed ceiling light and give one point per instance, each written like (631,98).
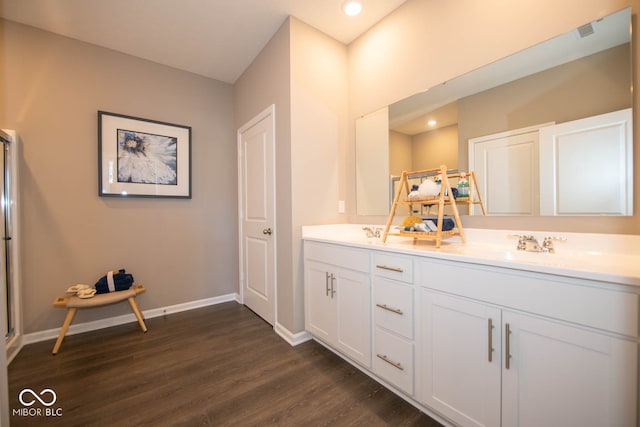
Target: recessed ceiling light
(432,123)
(352,7)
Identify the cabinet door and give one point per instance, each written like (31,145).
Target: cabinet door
(353,298)
(320,312)
(460,375)
(566,376)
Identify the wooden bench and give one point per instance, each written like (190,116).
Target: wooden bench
(73,303)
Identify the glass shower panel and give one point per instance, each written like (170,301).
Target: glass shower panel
(5,235)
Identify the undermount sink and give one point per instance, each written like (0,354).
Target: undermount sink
(583,260)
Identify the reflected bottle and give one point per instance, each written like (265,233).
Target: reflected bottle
(463,186)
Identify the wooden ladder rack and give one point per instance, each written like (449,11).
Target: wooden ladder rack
(444,198)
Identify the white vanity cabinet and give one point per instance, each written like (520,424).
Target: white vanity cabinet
(394,319)
(518,352)
(480,342)
(338,298)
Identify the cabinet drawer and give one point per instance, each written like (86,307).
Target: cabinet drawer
(393,306)
(341,256)
(395,267)
(393,360)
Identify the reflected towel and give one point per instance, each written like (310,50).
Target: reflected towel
(447,223)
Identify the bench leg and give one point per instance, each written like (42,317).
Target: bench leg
(136,311)
(65,327)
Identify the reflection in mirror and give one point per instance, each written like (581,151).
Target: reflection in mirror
(578,75)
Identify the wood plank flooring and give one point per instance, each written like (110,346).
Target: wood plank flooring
(219,365)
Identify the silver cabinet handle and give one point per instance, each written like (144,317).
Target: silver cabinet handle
(333,290)
(326,283)
(329,280)
(507,339)
(393,310)
(386,267)
(490,337)
(384,357)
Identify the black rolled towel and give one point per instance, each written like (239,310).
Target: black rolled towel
(121,281)
(447,223)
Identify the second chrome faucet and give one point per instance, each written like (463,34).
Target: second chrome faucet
(528,242)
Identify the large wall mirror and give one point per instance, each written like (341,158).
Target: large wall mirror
(547,131)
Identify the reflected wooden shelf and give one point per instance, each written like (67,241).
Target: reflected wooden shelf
(475,198)
(426,235)
(445,198)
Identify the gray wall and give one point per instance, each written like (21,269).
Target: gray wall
(266,82)
(182,250)
(304,73)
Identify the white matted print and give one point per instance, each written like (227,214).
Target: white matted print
(143,158)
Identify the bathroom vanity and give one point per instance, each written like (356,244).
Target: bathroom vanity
(482,333)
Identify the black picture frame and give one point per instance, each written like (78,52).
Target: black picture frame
(143,158)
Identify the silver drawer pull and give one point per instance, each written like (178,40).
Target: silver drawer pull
(386,267)
(390,362)
(393,310)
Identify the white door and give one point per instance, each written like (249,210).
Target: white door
(461,353)
(566,376)
(588,166)
(256,173)
(506,168)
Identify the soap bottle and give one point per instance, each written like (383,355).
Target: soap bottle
(463,185)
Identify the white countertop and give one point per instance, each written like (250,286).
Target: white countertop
(613,258)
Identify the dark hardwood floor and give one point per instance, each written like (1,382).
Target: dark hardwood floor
(218,365)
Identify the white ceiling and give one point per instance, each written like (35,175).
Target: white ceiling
(213,38)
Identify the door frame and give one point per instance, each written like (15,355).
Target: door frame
(270,111)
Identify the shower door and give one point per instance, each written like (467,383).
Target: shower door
(8,296)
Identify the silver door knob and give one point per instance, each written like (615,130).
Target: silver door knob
(267,231)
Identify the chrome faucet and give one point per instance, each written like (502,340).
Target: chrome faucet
(372,231)
(547,245)
(528,242)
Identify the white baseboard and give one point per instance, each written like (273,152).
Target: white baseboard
(126,318)
(292,338)
(14,345)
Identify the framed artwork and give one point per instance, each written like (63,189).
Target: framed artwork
(143,158)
